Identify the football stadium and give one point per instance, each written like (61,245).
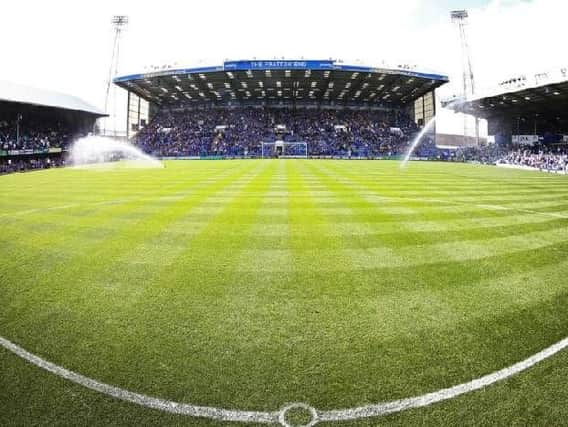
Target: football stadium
(284,242)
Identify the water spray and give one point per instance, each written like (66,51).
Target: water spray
(98,150)
(417,141)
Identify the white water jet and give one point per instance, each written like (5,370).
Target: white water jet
(417,141)
(97,150)
(424,131)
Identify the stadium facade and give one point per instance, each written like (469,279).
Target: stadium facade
(329,84)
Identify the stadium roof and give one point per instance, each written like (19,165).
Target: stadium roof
(273,81)
(542,94)
(12,92)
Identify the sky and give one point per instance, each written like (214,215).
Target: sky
(66,45)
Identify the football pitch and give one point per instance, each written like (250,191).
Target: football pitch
(256,285)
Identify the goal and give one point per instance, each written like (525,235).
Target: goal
(285,150)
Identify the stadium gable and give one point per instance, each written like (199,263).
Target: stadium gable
(534,105)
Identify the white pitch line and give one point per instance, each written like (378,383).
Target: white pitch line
(278,417)
(444,394)
(141,399)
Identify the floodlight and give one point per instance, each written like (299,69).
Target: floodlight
(458,15)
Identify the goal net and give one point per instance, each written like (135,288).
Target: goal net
(283,150)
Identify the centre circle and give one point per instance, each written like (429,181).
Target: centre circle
(296,414)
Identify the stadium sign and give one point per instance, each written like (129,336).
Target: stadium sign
(23,152)
(29,151)
(277,65)
(525,139)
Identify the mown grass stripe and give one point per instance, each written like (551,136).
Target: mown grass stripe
(252,284)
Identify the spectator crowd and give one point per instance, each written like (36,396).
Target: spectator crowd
(486,154)
(542,158)
(25,143)
(241,132)
(30,134)
(25,163)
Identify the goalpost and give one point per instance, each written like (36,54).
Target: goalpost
(285,150)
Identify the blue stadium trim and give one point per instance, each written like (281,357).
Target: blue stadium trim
(282,65)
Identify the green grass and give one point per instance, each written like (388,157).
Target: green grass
(253,284)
